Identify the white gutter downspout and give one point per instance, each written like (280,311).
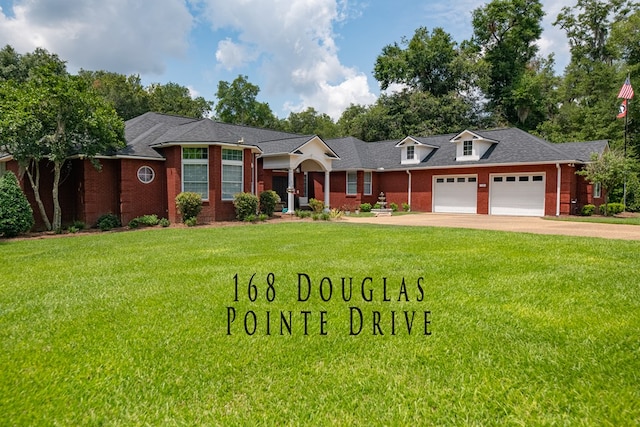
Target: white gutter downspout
(409,191)
(558,189)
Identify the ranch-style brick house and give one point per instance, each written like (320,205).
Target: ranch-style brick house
(494,172)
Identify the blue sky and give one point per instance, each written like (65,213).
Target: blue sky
(302,53)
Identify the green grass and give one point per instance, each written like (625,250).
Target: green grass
(131,328)
(598,219)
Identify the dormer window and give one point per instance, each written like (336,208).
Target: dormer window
(467,148)
(411,152)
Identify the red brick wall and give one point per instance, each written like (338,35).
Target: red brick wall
(137,198)
(395,186)
(98,190)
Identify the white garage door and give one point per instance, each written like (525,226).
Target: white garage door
(455,194)
(521,195)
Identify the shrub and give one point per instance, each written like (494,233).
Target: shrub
(377,206)
(336,213)
(588,210)
(615,208)
(16,215)
(150,220)
(365,207)
(73,229)
(316,205)
(80,225)
(189,205)
(393,206)
(611,208)
(268,201)
(190,222)
(164,222)
(108,221)
(325,216)
(303,214)
(263,217)
(246,204)
(406,207)
(134,223)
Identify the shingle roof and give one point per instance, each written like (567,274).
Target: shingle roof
(511,146)
(144,134)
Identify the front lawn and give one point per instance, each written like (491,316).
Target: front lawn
(629,220)
(474,327)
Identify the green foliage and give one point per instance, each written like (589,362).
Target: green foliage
(393,206)
(588,210)
(316,205)
(164,222)
(134,223)
(237,104)
(191,222)
(268,201)
(311,122)
(108,222)
(16,215)
(611,208)
(336,213)
(608,169)
(263,217)
(377,205)
(506,32)
(172,98)
(406,207)
(189,205)
(246,205)
(365,207)
(146,220)
(80,225)
(303,214)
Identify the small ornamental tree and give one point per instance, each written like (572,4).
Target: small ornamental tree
(16,215)
(189,205)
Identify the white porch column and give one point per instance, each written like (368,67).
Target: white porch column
(291,207)
(327,189)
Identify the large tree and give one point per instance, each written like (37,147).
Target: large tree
(506,32)
(51,116)
(311,122)
(126,93)
(172,98)
(237,104)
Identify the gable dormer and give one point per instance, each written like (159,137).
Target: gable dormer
(414,151)
(471,146)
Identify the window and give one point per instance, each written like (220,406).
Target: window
(511,179)
(411,152)
(146,174)
(305,190)
(195,170)
(439,180)
(451,180)
(352,182)
(367,183)
(462,179)
(472,179)
(231,173)
(597,190)
(537,178)
(523,178)
(467,148)
(497,179)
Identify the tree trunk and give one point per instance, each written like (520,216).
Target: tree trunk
(57,212)
(35,185)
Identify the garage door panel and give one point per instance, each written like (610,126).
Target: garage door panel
(455,194)
(519,195)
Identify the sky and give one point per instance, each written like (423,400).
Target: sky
(301,53)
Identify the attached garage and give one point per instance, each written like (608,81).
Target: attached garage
(455,194)
(517,194)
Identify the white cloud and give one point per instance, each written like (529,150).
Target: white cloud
(114,35)
(295,42)
(234,55)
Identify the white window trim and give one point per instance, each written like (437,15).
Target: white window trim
(195,162)
(597,190)
(355,174)
(467,143)
(231,163)
(369,191)
(153,174)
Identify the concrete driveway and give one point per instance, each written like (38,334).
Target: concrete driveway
(508,223)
